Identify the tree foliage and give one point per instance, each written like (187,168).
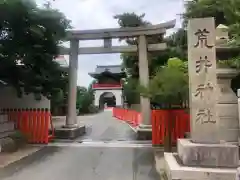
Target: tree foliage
(130,60)
(205,8)
(176,42)
(225,12)
(84,99)
(130,20)
(170,84)
(29,39)
(130,91)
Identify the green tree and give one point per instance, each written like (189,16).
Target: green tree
(59,99)
(29,39)
(130,60)
(177,44)
(170,84)
(169,87)
(225,12)
(84,100)
(205,8)
(130,91)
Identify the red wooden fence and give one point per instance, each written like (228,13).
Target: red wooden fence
(33,123)
(179,120)
(130,116)
(159,118)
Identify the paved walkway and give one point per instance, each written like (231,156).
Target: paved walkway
(107,128)
(102,127)
(107,152)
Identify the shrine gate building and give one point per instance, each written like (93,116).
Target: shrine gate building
(108,89)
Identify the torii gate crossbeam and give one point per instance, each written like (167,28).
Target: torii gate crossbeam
(74,36)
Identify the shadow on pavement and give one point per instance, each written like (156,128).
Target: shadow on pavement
(36,157)
(144,163)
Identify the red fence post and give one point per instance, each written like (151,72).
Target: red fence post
(46,125)
(161,122)
(41,124)
(154,128)
(33,123)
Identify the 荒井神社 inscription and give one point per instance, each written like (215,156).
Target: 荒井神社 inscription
(202,77)
(202,41)
(205,116)
(202,89)
(203,62)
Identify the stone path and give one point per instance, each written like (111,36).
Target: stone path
(85,163)
(107,152)
(102,127)
(8,158)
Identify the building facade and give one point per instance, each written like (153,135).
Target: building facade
(108,89)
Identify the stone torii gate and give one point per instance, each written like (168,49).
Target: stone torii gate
(72,128)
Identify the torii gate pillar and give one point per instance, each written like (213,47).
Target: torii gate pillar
(71,120)
(145,128)
(72,127)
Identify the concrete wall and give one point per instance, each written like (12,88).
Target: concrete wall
(9,99)
(6,127)
(116,92)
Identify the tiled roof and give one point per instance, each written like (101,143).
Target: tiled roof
(111,68)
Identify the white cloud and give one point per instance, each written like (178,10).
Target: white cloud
(96,14)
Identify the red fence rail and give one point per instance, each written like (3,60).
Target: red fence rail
(179,119)
(33,123)
(130,116)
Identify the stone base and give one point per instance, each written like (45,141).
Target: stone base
(144,132)
(207,155)
(145,126)
(176,171)
(70,133)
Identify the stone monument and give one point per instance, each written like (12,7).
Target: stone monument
(205,156)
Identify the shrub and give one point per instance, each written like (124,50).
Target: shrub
(19,138)
(93,109)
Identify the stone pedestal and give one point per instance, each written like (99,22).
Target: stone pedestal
(194,161)
(144,132)
(227,106)
(176,171)
(207,155)
(70,132)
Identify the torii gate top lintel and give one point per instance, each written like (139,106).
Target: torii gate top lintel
(95,34)
(142,48)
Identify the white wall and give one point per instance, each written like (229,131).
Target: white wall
(9,99)
(116,92)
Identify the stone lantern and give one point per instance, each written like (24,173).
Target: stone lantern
(227,101)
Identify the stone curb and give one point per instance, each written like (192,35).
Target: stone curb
(18,155)
(134,129)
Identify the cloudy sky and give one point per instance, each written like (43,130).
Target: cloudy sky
(91,14)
